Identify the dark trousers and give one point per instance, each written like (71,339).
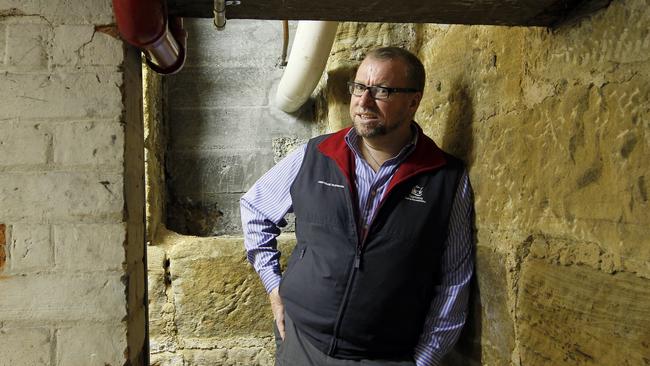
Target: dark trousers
(295,350)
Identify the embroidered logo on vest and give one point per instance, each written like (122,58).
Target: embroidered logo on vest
(330,184)
(416,194)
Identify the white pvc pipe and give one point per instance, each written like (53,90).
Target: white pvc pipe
(311,47)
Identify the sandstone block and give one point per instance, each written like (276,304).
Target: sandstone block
(63,11)
(27,45)
(76,95)
(61,195)
(23,145)
(25,346)
(91,345)
(95,143)
(82,45)
(56,296)
(570,315)
(31,247)
(216,292)
(229,357)
(90,247)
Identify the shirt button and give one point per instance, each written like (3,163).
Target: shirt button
(373,193)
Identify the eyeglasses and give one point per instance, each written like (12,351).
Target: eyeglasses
(376,92)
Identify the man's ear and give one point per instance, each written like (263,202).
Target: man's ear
(415,100)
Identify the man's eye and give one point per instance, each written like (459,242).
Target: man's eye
(359,88)
(381,92)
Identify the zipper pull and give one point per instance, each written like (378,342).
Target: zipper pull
(302,252)
(357,261)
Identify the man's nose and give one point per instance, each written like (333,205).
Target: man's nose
(366,99)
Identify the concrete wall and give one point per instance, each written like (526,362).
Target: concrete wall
(71,263)
(220,125)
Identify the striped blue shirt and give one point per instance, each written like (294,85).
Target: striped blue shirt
(264,206)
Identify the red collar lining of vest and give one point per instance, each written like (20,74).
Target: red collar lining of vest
(427,156)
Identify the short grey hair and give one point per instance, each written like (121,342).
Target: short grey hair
(415,73)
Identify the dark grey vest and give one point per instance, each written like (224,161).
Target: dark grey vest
(356,297)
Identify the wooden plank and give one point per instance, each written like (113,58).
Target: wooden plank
(489,12)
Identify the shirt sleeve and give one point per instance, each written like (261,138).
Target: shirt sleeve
(448,309)
(263,209)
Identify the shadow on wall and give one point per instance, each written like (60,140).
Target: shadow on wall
(458,137)
(458,140)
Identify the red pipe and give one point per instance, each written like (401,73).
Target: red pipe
(145,24)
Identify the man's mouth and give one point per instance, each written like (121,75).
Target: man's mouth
(367,116)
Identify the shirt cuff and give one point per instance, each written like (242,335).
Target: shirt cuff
(270,279)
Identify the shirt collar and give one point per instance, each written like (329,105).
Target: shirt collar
(352,139)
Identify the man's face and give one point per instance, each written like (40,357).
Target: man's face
(381,117)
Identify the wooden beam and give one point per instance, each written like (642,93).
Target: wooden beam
(489,12)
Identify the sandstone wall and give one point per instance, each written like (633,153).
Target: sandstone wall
(554,126)
(71,251)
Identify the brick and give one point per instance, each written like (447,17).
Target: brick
(81,45)
(25,346)
(76,95)
(31,247)
(92,345)
(89,143)
(26,45)
(63,297)
(64,11)
(61,195)
(90,247)
(23,145)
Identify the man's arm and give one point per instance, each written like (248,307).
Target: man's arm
(449,306)
(263,209)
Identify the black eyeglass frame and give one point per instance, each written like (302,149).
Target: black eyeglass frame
(375,88)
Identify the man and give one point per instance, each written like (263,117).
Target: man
(383,260)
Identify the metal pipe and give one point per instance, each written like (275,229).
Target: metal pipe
(220,14)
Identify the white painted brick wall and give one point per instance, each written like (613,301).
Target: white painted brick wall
(97,143)
(61,196)
(76,45)
(62,183)
(82,247)
(23,143)
(57,296)
(90,345)
(27,44)
(25,346)
(30,248)
(57,95)
(64,11)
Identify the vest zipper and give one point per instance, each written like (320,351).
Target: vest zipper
(348,287)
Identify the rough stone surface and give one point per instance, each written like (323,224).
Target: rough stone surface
(27,45)
(208,306)
(25,346)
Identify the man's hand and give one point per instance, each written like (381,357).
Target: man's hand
(278,310)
